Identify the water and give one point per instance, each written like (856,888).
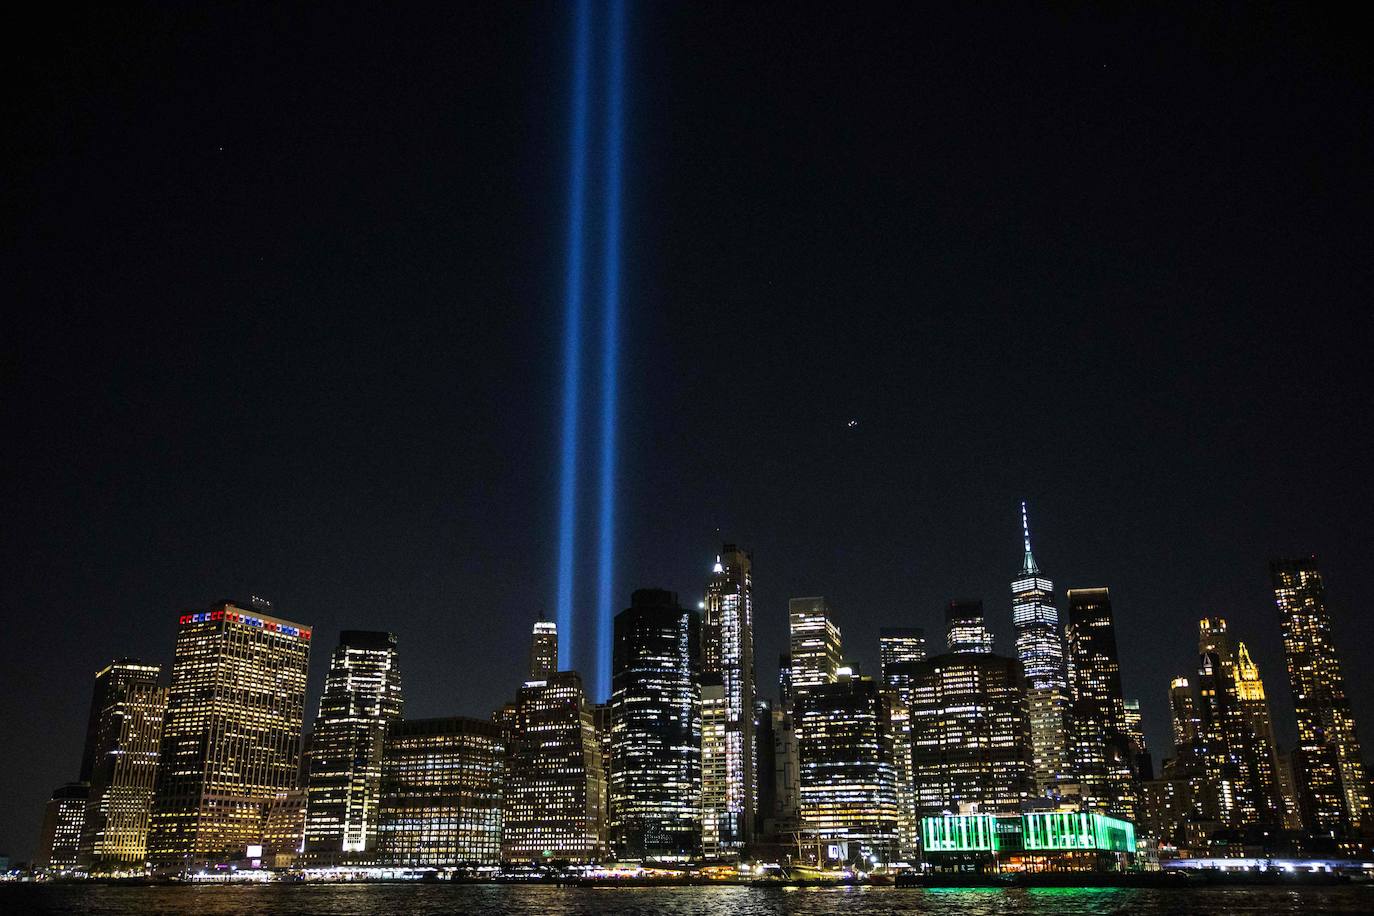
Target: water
(490,900)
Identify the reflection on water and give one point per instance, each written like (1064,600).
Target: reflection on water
(490,900)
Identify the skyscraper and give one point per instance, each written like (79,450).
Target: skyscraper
(966,627)
(362,696)
(543,649)
(555,786)
(970,737)
(60,842)
(125,739)
(1101,752)
(1040,648)
(1332,782)
(1183,712)
(655,778)
(815,643)
(1263,764)
(899,644)
(231,740)
(728,650)
(714,775)
(1039,644)
(848,782)
(441,793)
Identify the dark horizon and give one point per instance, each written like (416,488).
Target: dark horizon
(286,320)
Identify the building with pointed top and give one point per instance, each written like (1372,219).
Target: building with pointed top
(727,647)
(1040,648)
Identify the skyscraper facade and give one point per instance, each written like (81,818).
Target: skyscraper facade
(59,844)
(232,735)
(1039,642)
(1332,782)
(1263,763)
(966,627)
(970,735)
(1040,648)
(899,644)
(543,649)
(655,730)
(555,786)
(848,781)
(815,643)
(441,793)
(127,710)
(728,650)
(1101,753)
(714,773)
(362,697)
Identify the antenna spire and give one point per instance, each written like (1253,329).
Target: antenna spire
(1028,567)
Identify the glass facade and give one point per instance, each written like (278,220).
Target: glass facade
(555,792)
(655,730)
(442,793)
(126,714)
(362,696)
(727,644)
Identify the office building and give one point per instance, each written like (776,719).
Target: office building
(655,730)
(897,645)
(1101,753)
(966,627)
(848,780)
(970,735)
(816,652)
(727,645)
(442,793)
(714,774)
(555,792)
(283,829)
(1333,787)
(362,697)
(64,817)
(543,649)
(121,761)
(231,739)
(1040,648)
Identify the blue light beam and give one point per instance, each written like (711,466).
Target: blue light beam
(610,342)
(572,342)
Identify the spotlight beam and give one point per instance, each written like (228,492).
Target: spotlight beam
(610,341)
(572,341)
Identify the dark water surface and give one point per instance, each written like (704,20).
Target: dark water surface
(489,900)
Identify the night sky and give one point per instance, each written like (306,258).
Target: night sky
(283,316)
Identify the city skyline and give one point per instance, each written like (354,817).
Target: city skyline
(919,676)
(288,295)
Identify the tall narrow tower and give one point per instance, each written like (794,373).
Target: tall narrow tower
(543,649)
(362,697)
(728,650)
(1333,791)
(1040,647)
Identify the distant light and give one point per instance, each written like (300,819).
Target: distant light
(852,423)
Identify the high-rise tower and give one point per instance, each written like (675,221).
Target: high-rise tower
(127,710)
(1039,644)
(728,650)
(966,628)
(231,740)
(543,649)
(1040,647)
(1333,784)
(1101,752)
(815,644)
(655,777)
(362,696)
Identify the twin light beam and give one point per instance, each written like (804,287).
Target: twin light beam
(610,87)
